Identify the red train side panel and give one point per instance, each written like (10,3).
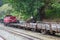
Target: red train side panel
(10,19)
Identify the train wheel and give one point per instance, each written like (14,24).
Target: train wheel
(53,33)
(24,28)
(40,30)
(17,21)
(43,31)
(5,24)
(48,32)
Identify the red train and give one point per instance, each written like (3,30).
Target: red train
(10,19)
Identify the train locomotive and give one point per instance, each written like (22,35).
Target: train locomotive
(10,19)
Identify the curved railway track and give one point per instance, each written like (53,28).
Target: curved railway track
(45,36)
(21,34)
(40,36)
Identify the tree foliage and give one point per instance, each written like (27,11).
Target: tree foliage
(4,10)
(27,8)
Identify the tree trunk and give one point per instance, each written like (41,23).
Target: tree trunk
(41,10)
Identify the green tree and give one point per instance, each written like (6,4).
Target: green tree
(28,8)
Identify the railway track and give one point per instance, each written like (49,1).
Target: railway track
(39,36)
(2,38)
(44,36)
(21,34)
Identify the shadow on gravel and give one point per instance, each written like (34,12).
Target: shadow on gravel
(56,35)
